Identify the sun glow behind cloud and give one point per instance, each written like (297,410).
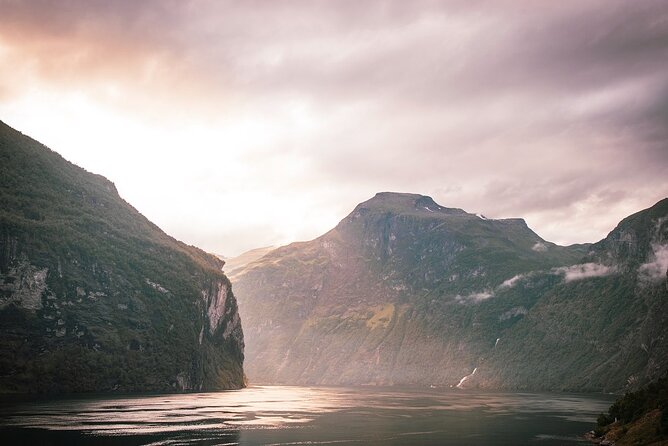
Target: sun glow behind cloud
(235,125)
(194,179)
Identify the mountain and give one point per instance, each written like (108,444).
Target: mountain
(404,291)
(94,297)
(237,264)
(605,327)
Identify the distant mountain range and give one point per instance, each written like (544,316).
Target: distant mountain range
(94,297)
(237,264)
(404,291)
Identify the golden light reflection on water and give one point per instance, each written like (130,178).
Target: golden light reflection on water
(297,414)
(267,407)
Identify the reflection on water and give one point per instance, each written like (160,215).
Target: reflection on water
(280,415)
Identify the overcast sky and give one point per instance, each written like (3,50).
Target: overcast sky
(238,124)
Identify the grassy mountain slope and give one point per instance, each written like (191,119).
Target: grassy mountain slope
(600,332)
(638,418)
(238,263)
(402,291)
(94,297)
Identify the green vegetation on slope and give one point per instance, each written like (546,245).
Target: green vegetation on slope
(317,312)
(638,418)
(405,291)
(599,333)
(94,297)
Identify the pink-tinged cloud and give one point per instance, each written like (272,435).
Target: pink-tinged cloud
(268,121)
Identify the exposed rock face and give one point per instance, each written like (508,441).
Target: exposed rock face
(94,297)
(23,286)
(216,306)
(404,291)
(222,313)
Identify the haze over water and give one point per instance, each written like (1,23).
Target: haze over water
(280,415)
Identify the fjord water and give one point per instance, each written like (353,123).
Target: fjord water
(280,415)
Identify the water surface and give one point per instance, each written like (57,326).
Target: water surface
(281,415)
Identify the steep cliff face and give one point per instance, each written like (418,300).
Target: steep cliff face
(392,295)
(94,297)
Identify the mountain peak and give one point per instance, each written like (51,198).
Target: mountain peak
(405,202)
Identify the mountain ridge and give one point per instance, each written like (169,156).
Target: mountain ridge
(413,293)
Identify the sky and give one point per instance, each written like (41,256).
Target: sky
(239,124)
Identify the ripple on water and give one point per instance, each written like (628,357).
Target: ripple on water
(309,415)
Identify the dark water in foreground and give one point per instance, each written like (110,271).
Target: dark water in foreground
(277,415)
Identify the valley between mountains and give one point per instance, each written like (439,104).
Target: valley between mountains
(403,291)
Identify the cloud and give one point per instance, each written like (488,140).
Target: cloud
(583,271)
(474,297)
(513,312)
(560,118)
(657,269)
(512,281)
(539,247)
(570,273)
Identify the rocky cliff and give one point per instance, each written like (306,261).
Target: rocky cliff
(404,291)
(94,297)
